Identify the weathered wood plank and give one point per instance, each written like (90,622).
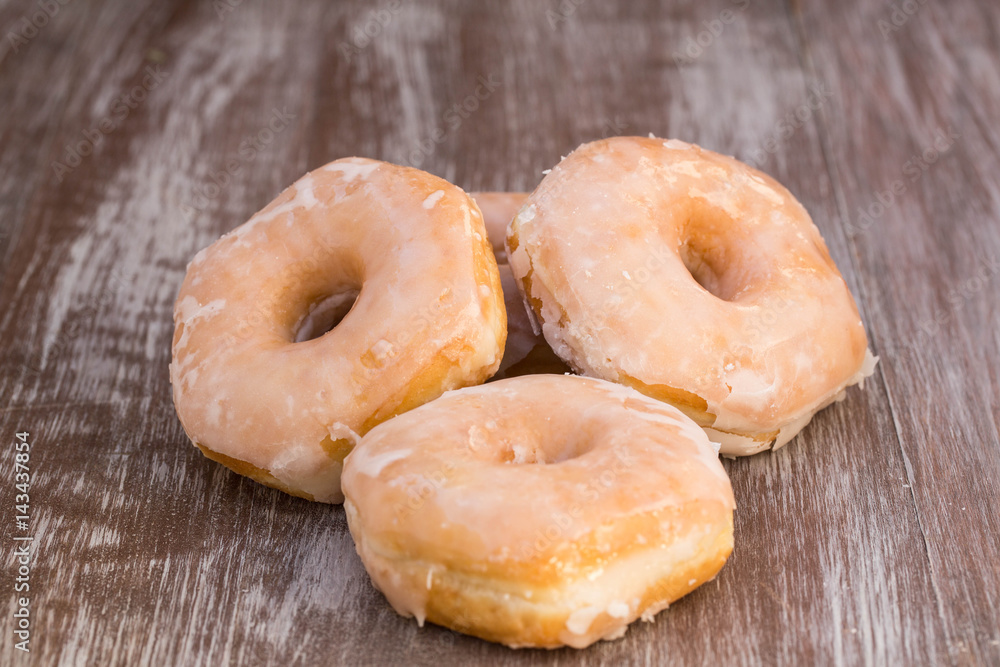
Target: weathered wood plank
(29,114)
(929,254)
(124,561)
(43,198)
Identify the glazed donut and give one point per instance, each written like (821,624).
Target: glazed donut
(526,351)
(693,278)
(539,511)
(396,258)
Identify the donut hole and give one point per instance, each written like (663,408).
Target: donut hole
(533,453)
(326,313)
(526,447)
(710,260)
(704,270)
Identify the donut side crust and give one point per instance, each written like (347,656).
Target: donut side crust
(522,615)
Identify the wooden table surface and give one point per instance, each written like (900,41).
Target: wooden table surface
(873,538)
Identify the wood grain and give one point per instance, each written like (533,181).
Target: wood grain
(939,335)
(871,539)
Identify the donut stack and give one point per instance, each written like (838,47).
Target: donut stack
(335,347)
